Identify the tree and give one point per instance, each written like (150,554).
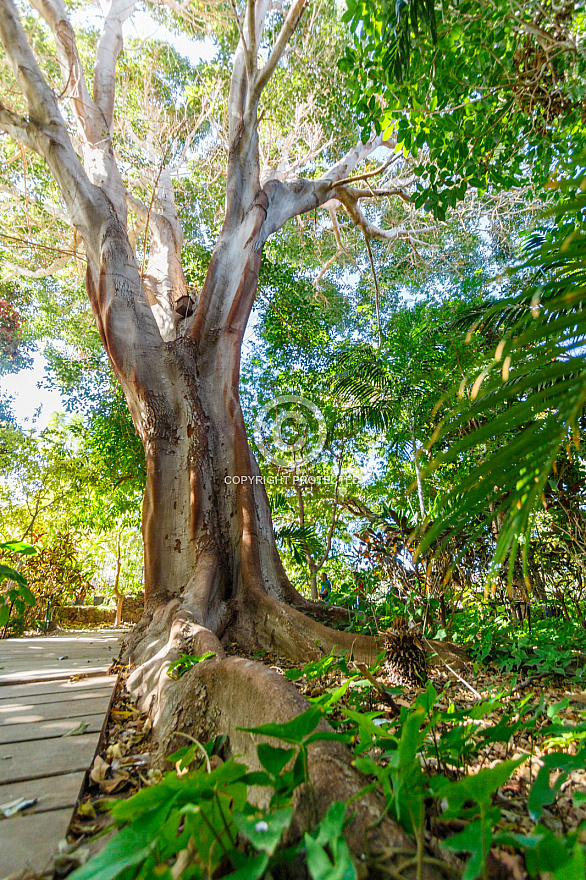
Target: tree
(483,94)
(211,565)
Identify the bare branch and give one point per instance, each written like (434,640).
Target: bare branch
(392,161)
(39,96)
(25,242)
(251,22)
(378,193)
(46,130)
(55,14)
(239,25)
(376,289)
(45,272)
(109,48)
(369,229)
(287,200)
(14,125)
(140,209)
(335,512)
(340,250)
(287,31)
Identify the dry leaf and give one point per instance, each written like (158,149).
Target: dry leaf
(87,809)
(117,750)
(109,786)
(99,770)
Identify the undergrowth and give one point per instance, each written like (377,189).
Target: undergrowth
(198,821)
(551,646)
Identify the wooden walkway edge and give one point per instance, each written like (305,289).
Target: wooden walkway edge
(55,696)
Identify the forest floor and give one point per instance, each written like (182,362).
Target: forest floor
(469,725)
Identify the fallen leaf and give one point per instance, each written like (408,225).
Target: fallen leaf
(99,770)
(77,828)
(131,761)
(77,731)
(87,809)
(116,750)
(109,786)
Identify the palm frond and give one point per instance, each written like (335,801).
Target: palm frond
(299,541)
(528,402)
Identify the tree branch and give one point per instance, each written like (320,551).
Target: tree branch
(251,22)
(46,130)
(287,31)
(340,249)
(39,96)
(109,48)
(287,200)
(334,518)
(23,272)
(55,15)
(352,206)
(15,125)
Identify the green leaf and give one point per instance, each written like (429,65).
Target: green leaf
(479,787)
(541,794)
(19,547)
(329,832)
(248,867)
(27,595)
(273,758)
(130,846)
(575,869)
(291,731)
(264,831)
(468,840)
(544,852)
(7,573)
(185,662)
(4,613)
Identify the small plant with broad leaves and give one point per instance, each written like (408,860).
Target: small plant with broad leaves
(187,661)
(16,596)
(198,822)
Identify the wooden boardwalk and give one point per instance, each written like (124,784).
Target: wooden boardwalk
(50,726)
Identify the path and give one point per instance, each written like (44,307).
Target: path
(42,702)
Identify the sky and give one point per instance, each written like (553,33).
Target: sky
(32,405)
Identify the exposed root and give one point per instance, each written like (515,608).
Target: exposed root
(221,695)
(264,623)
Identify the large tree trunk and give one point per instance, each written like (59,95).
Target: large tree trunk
(208,535)
(212,570)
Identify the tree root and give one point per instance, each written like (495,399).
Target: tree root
(223,694)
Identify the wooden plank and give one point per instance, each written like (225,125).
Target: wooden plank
(20,761)
(46,657)
(38,703)
(31,841)
(44,700)
(38,732)
(61,689)
(23,672)
(54,793)
(28,714)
